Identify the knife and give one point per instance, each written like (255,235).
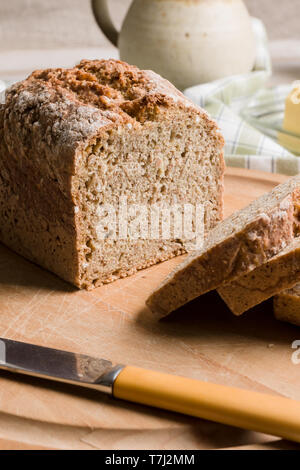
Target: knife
(246,409)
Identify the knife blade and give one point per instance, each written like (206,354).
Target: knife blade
(270,414)
(58,365)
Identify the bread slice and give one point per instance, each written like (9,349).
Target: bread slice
(286,305)
(236,246)
(103,136)
(280,272)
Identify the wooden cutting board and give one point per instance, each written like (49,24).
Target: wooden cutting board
(203,340)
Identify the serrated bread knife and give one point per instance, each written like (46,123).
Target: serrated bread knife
(261,412)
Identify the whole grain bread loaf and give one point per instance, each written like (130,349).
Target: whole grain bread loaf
(286,305)
(73,142)
(280,272)
(235,247)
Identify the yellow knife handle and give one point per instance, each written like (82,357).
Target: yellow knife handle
(246,409)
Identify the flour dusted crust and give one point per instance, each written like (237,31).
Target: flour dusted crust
(237,246)
(52,128)
(286,305)
(56,110)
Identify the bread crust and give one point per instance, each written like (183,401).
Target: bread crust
(286,305)
(280,272)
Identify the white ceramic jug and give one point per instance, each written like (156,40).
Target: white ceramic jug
(186,41)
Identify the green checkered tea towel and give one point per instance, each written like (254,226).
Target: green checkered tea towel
(250,115)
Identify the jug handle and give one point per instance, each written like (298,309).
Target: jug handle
(102,16)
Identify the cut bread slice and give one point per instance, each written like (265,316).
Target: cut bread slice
(287,305)
(235,247)
(280,272)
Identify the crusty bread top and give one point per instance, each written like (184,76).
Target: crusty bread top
(62,108)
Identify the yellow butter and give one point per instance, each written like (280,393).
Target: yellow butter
(291,122)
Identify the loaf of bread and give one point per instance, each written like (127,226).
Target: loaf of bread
(280,272)
(75,141)
(235,247)
(286,305)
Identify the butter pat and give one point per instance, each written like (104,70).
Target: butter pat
(291,122)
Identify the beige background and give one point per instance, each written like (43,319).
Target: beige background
(30,24)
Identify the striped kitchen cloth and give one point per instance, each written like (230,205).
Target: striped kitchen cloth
(250,115)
